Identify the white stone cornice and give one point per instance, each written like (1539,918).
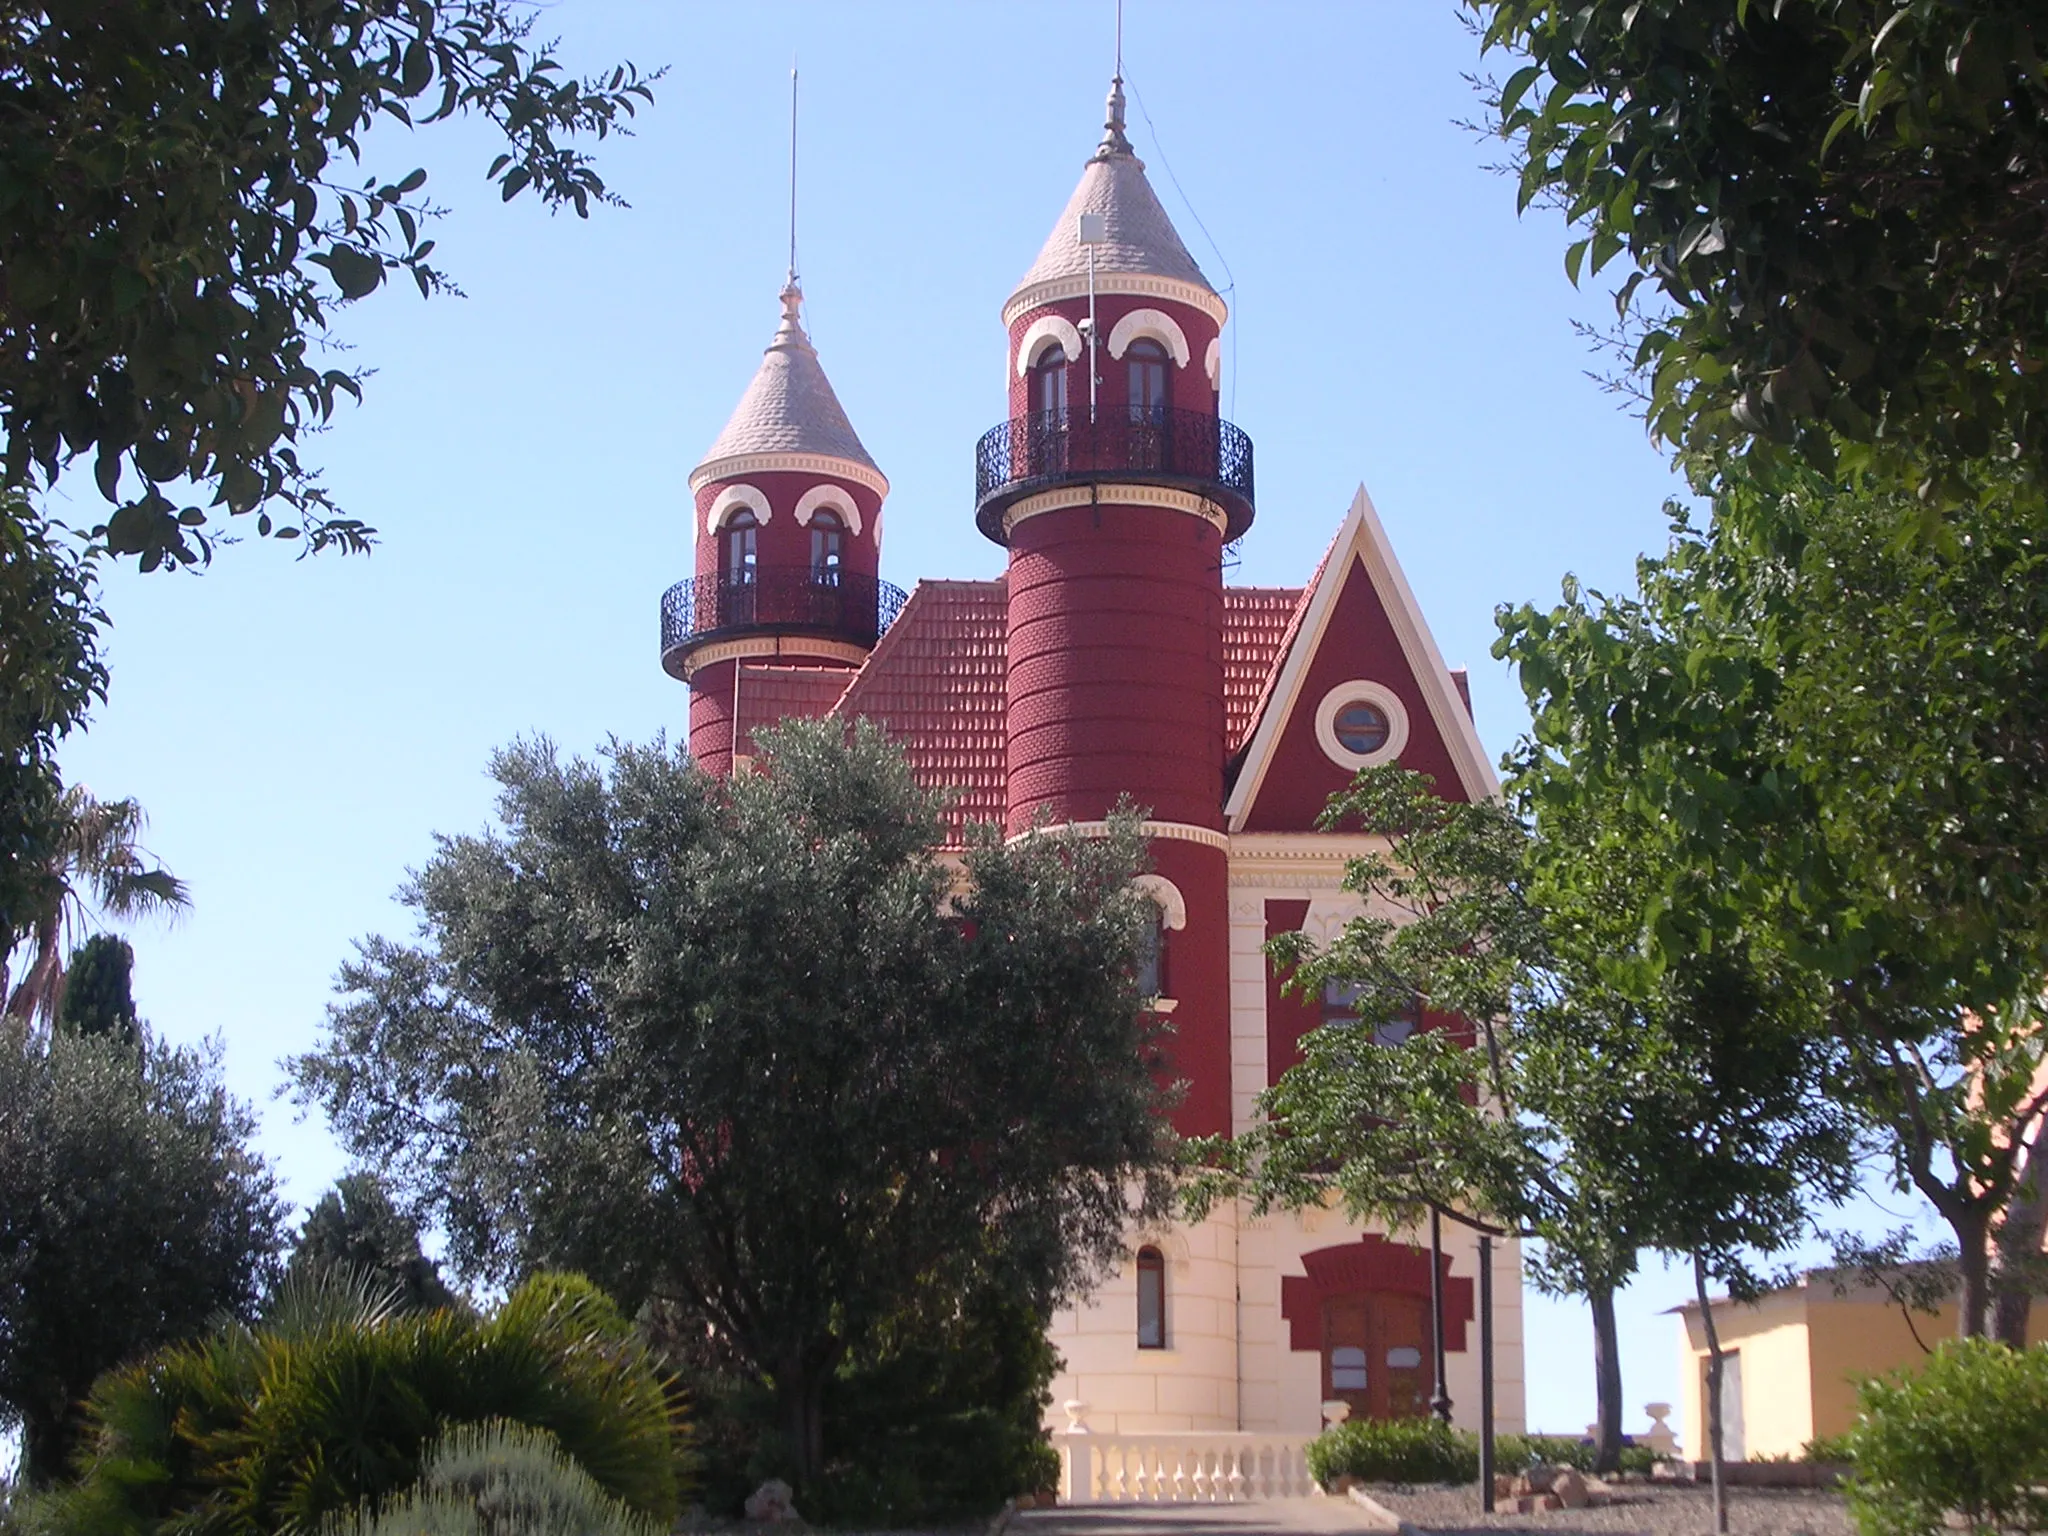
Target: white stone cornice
(796,463)
(1158,831)
(1115,494)
(802,647)
(1138,284)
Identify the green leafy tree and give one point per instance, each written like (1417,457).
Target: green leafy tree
(338,1402)
(1600,1117)
(184,204)
(93,860)
(51,674)
(1836,203)
(355,1229)
(753,1048)
(132,1212)
(1831,732)
(98,996)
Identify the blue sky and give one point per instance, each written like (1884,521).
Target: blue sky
(298,730)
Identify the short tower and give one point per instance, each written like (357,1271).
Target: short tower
(788,526)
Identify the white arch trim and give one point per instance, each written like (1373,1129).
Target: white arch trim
(1213,364)
(833,496)
(732,497)
(1153,324)
(1173,907)
(1046,329)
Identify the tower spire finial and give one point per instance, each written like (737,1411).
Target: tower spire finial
(1113,140)
(792,283)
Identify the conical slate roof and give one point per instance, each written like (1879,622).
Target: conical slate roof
(1141,239)
(790,406)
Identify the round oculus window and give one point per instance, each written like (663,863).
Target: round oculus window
(1362,727)
(1361,724)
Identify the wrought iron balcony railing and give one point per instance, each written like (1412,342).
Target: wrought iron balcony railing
(1190,450)
(835,604)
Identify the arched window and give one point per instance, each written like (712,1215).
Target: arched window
(827,535)
(1146,360)
(1049,386)
(1151,1299)
(739,534)
(1152,959)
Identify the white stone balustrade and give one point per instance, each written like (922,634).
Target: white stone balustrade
(1188,1467)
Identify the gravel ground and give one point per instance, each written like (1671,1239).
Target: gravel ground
(1640,1509)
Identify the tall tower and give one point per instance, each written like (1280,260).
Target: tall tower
(788,542)
(1115,485)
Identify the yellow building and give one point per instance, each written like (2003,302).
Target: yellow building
(1794,1358)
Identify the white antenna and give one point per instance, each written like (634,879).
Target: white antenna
(1119,39)
(792,170)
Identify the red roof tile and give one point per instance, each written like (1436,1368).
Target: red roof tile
(765,693)
(1257,622)
(935,684)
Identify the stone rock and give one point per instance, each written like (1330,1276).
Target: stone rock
(1569,1488)
(1536,1503)
(1504,1486)
(1539,1479)
(1598,1492)
(773,1503)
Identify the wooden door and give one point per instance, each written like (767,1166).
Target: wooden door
(1376,1354)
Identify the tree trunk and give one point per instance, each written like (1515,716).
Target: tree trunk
(1606,1381)
(47,1440)
(1973,1273)
(1699,1280)
(800,1394)
(2018,1256)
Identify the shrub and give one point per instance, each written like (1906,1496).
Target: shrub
(1835,1450)
(1967,1433)
(331,1406)
(1513,1453)
(498,1479)
(1394,1451)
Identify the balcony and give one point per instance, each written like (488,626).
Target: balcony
(1187,450)
(789,600)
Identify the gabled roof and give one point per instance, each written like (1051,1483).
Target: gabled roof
(1140,240)
(1361,542)
(790,407)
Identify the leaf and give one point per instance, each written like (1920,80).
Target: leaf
(1574,256)
(355,273)
(418,72)
(515,183)
(1518,85)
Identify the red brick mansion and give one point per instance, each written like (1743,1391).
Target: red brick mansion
(1112,659)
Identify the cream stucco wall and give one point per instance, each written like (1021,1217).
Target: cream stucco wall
(1228,1364)
(1804,1349)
